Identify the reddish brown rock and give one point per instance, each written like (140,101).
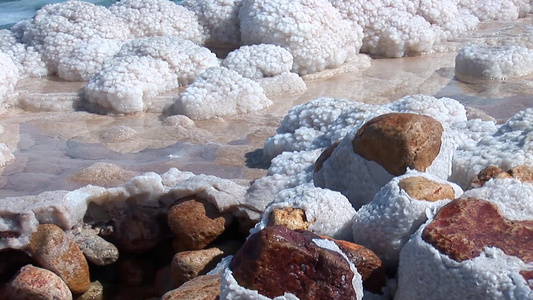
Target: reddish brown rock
(187,265)
(32,283)
(278,260)
(206,287)
(196,222)
(487,174)
(292,218)
(324,156)
(421,188)
(523,173)
(57,252)
(462,228)
(398,141)
(368,264)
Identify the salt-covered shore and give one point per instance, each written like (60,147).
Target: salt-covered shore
(305,168)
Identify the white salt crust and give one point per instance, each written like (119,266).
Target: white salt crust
(477,62)
(385,224)
(9,76)
(258,61)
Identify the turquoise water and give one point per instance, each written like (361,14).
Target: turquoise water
(12,11)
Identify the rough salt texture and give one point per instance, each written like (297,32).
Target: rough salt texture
(36,283)
(360,179)
(425,272)
(507,147)
(9,76)
(220,92)
(258,61)
(219,19)
(313,31)
(329,213)
(496,9)
(480,62)
(385,224)
(158,18)
(56,251)
(25,57)
(6,155)
(338,278)
(57,29)
(146,67)
(284,84)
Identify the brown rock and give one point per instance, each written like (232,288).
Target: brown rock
(487,174)
(32,283)
(206,287)
(368,264)
(421,188)
(57,252)
(462,228)
(196,222)
(324,156)
(187,265)
(278,260)
(292,218)
(398,141)
(95,292)
(97,250)
(523,173)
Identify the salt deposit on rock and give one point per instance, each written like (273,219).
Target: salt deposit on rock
(476,62)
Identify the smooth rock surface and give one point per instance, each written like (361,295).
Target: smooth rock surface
(398,141)
(424,189)
(206,287)
(32,283)
(57,252)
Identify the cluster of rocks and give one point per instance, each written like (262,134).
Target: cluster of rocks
(375,217)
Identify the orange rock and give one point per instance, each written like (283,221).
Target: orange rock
(57,252)
(523,173)
(487,174)
(292,218)
(196,222)
(398,141)
(421,188)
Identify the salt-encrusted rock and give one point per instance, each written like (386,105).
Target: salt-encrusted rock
(385,224)
(187,265)
(481,62)
(399,141)
(487,174)
(276,261)
(365,260)
(523,173)
(326,212)
(476,247)
(292,218)
(57,252)
(506,147)
(36,283)
(206,287)
(196,222)
(385,146)
(97,250)
(463,228)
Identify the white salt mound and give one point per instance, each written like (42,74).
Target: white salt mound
(258,61)
(9,76)
(480,62)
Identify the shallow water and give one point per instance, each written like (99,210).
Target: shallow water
(59,146)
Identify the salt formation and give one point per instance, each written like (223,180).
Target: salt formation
(9,76)
(479,62)
(258,61)
(220,92)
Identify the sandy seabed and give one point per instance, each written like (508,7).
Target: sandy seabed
(59,146)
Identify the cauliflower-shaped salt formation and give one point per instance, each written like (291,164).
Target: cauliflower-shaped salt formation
(500,10)
(158,18)
(57,28)
(25,57)
(219,19)
(479,62)
(476,247)
(144,68)
(312,30)
(9,76)
(258,61)
(328,212)
(221,92)
(186,59)
(510,146)
(86,58)
(385,224)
